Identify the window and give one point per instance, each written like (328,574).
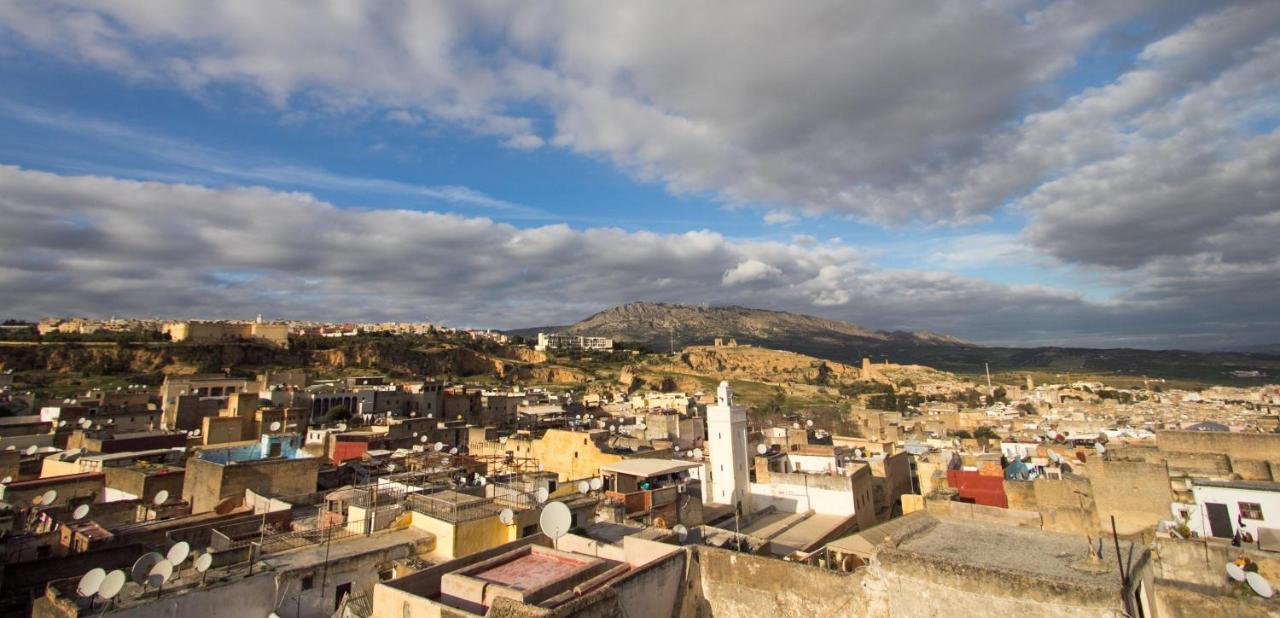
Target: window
(308,582)
(1250,510)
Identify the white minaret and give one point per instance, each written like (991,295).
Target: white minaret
(727,437)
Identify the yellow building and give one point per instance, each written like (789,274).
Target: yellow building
(200,331)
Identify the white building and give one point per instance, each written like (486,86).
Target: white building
(556,341)
(727,439)
(1225,507)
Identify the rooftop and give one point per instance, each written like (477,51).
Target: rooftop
(531,571)
(1251,485)
(646,468)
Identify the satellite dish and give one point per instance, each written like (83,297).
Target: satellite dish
(62,423)
(583,487)
(541,495)
(1100,448)
(453,451)
(507,517)
(555,520)
(1259,584)
(415,434)
(275,426)
(160,573)
(141,569)
(87,423)
(697,453)
(439,446)
(762,448)
(179,553)
(30,450)
(482,480)
(6,480)
(91,582)
(47,498)
(808,423)
(341,426)
(1235,572)
(681,532)
(80,513)
(161,497)
(597,483)
(204,562)
(111,584)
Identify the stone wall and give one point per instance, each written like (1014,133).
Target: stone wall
(1136,494)
(1250,445)
(727,584)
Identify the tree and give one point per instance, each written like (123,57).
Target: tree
(986,432)
(337,413)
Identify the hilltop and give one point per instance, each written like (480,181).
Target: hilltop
(654,324)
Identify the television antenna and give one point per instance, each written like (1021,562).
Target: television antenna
(275,425)
(80,513)
(1259,584)
(91,582)
(762,448)
(202,566)
(453,451)
(161,497)
(507,517)
(141,568)
(541,495)
(179,553)
(555,521)
(439,446)
(159,574)
(583,487)
(697,453)
(1235,572)
(596,483)
(111,585)
(48,498)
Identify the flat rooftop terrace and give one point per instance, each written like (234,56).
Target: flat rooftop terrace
(1028,551)
(531,571)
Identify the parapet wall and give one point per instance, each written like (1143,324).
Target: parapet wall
(1249,445)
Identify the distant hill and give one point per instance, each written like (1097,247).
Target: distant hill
(653,324)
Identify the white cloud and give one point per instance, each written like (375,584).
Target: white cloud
(749,270)
(779,217)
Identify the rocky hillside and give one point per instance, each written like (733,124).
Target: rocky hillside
(652,324)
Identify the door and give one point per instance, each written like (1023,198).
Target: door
(1219,520)
(342,591)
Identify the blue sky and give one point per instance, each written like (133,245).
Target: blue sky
(848,169)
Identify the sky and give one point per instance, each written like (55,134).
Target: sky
(1095,174)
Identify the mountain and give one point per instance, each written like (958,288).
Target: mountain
(655,324)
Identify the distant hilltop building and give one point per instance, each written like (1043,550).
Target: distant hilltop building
(557,341)
(199,331)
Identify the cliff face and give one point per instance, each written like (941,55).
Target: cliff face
(138,358)
(764,365)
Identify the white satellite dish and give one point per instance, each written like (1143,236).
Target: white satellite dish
(1259,584)
(482,481)
(111,584)
(555,520)
(87,423)
(439,446)
(424,439)
(697,453)
(453,451)
(1100,448)
(160,573)
(204,562)
(762,448)
(80,513)
(681,532)
(808,423)
(161,497)
(597,483)
(178,553)
(141,568)
(507,517)
(583,487)
(275,426)
(48,498)
(415,434)
(341,426)
(1235,572)
(62,423)
(541,495)
(91,582)
(6,480)
(30,450)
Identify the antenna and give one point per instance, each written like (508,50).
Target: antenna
(507,517)
(7,479)
(275,426)
(30,450)
(48,498)
(91,582)
(453,451)
(808,423)
(1259,584)
(161,497)
(541,495)
(179,553)
(597,483)
(762,448)
(555,520)
(111,585)
(583,487)
(202,566)
(80,513)
(697,453)
(141,568)
(682,532)
(1234,571)
(439,446)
